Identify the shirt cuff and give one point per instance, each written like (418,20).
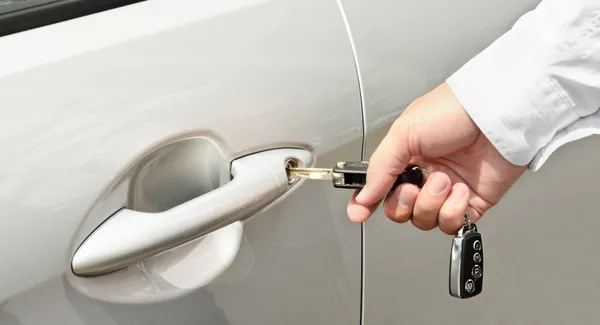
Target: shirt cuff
(582,128)
(509,95)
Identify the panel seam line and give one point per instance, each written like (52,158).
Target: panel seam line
(362,154)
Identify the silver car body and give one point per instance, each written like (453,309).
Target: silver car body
(146,106)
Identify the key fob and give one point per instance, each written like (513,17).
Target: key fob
(466,263)
(353,175)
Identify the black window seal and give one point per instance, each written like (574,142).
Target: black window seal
(25,16)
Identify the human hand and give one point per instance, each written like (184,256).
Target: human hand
(468,173)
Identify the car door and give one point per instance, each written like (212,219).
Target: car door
(538,240)
(143,155)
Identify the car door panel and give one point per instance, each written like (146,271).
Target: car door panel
(536,269)
(87,99)
(404,49)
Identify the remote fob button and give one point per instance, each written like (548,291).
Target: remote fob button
(477,245)
(477,258)
(470,286)
(476,271)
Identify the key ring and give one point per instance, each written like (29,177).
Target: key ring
(422,169)
(468,223)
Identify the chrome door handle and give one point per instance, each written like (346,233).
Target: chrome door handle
(129,236)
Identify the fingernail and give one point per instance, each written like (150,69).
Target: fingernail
(437,185)
(406,199)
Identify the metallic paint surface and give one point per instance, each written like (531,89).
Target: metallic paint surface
(84,99)
(406,48)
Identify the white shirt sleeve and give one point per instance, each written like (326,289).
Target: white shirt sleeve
(537,87)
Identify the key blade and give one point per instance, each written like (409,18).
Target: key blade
(310,173)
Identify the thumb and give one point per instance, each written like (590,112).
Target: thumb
(388,161)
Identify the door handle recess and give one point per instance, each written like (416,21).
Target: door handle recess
(128,236)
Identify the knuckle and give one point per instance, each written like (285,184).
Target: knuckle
(425,217)
(446,218)
(399,218)
(391,155)
(390,165)
(449,230)
(424,210)
(394,213)
(421,224)
(449,224)
(424,221)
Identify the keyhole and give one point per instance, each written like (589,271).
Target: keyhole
(291,163)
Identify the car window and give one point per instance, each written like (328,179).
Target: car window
(14,5)
(21,15)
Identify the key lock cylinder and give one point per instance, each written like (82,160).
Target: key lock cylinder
(466,255)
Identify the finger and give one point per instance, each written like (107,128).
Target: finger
(387,162)
(430,201)
(452,213)
(478,205)
(358,212)
(399,205)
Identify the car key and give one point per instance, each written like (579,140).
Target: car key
(353,175)
(466,262)
(466,256)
